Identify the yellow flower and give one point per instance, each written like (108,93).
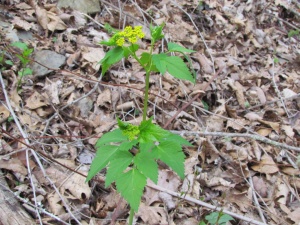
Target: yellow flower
(120,41)
(129,34)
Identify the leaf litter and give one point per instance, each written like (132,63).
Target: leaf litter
(64,109)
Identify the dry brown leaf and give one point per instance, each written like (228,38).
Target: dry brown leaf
(36,100)
(261,95)
(4,113)
(239,91)
(275,126)
(266,165)
(290,171)
(237,124)
(282,192)
(205,64)
(252,116)
(54,22)
(152,215)
(77,186)
(19,23)
(264,132)
(295,216)
(257,151)
(288,130)
(14,165)
(92,55)
(42,17)
(55,204)
(260,186)
(104,99)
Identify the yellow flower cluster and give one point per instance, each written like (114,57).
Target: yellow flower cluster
(129,34)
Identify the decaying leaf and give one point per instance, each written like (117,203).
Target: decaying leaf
(266,165)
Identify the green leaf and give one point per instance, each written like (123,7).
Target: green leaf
(116,167)
(131,185)
(205,105)
(27,52)
(146,60)
(110,29)
(111,57)
(174,65)
(202,223)
(127,145)
(171,153)
(146,163)
(172,47)
(177,139)
(130,50)
(224,219)
(20,45)
(24,72)
(129,130)
(156,32)
(212,218)
(9,62)
(104,154)
(148,146)
(112,136)
(150,132)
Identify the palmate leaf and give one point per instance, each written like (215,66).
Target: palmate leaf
(174,65)
(131,185)
(112,136)
(150,132)
(104,154)
(171,153)
(117,165)
(146,164)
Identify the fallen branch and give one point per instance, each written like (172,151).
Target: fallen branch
(252,136)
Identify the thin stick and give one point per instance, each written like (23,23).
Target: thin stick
(198,202)
(245,135)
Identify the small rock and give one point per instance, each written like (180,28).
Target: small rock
(48,58)
(85,6)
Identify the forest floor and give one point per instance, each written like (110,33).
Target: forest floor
(244,122)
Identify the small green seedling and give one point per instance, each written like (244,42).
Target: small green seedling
(293,33)
(24,58)
(4,63)
(131,152)
(216,218)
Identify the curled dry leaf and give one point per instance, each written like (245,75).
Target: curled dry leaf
(239,92)
(266,165)
(205,64)
(275,126)
(256,150)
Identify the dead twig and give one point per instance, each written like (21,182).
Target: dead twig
(245,135)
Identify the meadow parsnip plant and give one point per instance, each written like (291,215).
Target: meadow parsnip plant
(127,168)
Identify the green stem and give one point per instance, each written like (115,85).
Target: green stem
(131,216)
(146,95)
